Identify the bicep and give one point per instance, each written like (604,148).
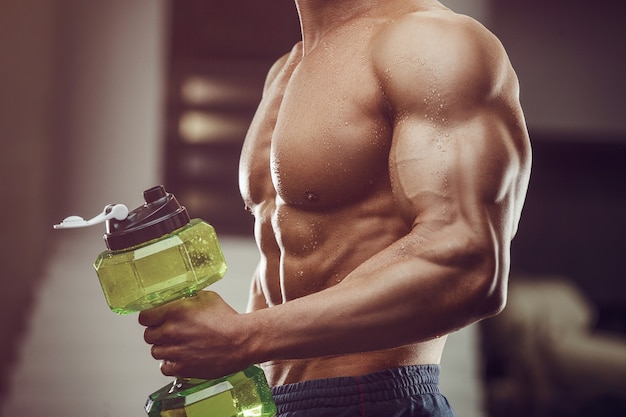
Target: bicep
(463,173)
(460,152)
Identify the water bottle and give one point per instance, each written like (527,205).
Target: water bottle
(156,254)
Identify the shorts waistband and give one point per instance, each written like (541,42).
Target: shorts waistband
(385,385)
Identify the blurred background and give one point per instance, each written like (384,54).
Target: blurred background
(101,100)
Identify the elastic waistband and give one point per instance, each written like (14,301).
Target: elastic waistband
(385,385)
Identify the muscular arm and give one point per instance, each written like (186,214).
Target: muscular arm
(459,168)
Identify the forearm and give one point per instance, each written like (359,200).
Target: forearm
(399,296)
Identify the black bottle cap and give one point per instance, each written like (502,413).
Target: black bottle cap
(160,215)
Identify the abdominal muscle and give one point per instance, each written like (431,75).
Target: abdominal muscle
(282,372)
(314,250)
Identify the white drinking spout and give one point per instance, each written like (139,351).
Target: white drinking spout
(111,211)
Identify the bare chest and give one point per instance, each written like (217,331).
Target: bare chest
(331,138)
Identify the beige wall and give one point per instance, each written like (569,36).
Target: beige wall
(27,125)
(113,78)
(81,107)
(80,119)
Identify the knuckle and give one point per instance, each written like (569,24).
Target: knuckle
(148,336)
(142,318)
(168,368)
(156,352)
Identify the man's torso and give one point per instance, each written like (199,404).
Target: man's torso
(315,174)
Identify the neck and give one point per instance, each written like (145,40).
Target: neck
(319,16)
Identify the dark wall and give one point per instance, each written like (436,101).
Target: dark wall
(574,220)
(233,45)
(570,61)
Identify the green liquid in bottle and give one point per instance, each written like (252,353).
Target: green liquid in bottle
(178,265)
(243,394)
(174,266)
(159,255)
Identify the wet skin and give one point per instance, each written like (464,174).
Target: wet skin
(386,169)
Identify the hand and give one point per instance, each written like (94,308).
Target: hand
(197,337)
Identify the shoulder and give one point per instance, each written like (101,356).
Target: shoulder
(441,50)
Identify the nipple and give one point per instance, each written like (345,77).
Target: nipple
(311,196)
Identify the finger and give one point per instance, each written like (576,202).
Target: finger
(157,352)
(152,318)
(152,336)
(169,368)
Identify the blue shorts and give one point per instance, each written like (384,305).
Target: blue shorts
(411,391)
